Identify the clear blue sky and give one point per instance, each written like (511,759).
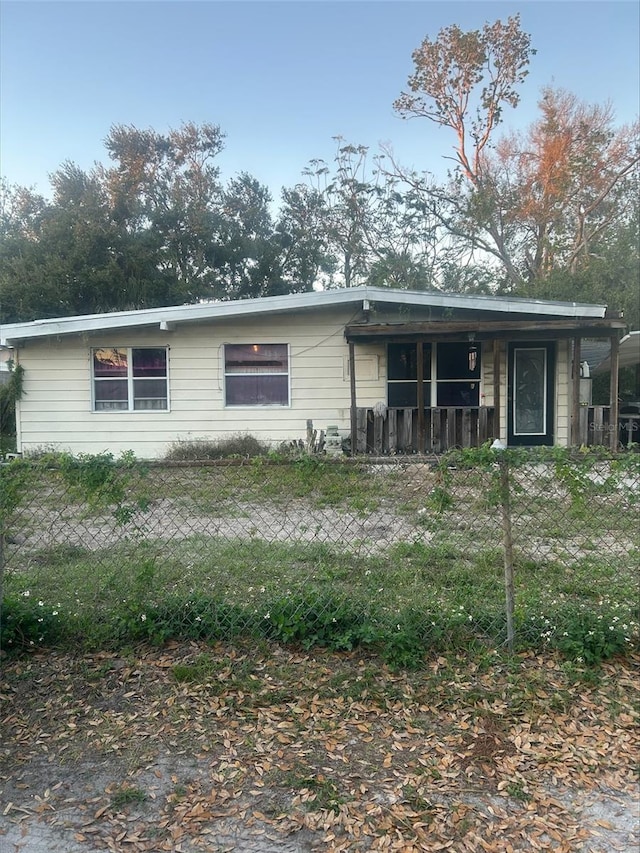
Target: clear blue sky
(280,78)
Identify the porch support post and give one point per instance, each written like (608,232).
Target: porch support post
(575,394)
(613,393)
(420,400)
(496,387)
(354,408)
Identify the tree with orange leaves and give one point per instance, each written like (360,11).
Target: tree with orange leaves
(537,202)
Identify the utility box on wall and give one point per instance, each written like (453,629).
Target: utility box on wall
(585,384)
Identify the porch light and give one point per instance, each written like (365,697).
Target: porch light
(473,358)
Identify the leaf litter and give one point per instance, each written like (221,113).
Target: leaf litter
(190,748)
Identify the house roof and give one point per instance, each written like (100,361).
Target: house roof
(165,318)
(628,353)
(593,352)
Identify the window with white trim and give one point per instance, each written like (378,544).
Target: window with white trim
(130,379)
(256,374)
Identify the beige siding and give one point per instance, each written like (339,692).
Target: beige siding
(56,410)
(563,394)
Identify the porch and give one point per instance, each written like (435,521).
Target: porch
(401,430)
(436,374)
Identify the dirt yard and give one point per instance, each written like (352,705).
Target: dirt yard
(190,748)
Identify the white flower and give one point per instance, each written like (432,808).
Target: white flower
(144,617)
(26,593)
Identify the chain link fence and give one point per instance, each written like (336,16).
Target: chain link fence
(507,549)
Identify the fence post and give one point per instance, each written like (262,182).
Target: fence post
(507,547)
(1,568)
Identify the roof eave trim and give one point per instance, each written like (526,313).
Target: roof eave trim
(291,302)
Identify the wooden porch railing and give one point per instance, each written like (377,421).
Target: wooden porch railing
(596,428)
(397,430)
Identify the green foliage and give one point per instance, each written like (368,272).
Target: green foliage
(440,499)
(105,482)
(319,619)
(10,392)
(128,796)
(15,478)
(29,622)
(588,636)
(240,446)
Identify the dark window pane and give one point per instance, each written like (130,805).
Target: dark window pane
(109,362)
(403,361)
(149,394)
(111,390)
(456,359)
(458,393)
(256,358)
(149,362)
(403,394)
(257,390)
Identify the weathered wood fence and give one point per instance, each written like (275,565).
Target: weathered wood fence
(402,431)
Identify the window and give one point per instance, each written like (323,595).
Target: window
(256,374)
(130,379)
(454,366)
(403,374)
(458,374)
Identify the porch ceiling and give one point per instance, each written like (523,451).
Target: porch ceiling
(485,330)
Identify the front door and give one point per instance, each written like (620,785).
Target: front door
(531,393)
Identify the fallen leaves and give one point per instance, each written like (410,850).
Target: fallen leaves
(332,750)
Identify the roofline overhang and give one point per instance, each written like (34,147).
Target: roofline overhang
(483,330)
(166,318)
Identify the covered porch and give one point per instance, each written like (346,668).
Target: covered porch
(499,353)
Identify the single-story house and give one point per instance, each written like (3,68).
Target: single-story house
(396,371)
